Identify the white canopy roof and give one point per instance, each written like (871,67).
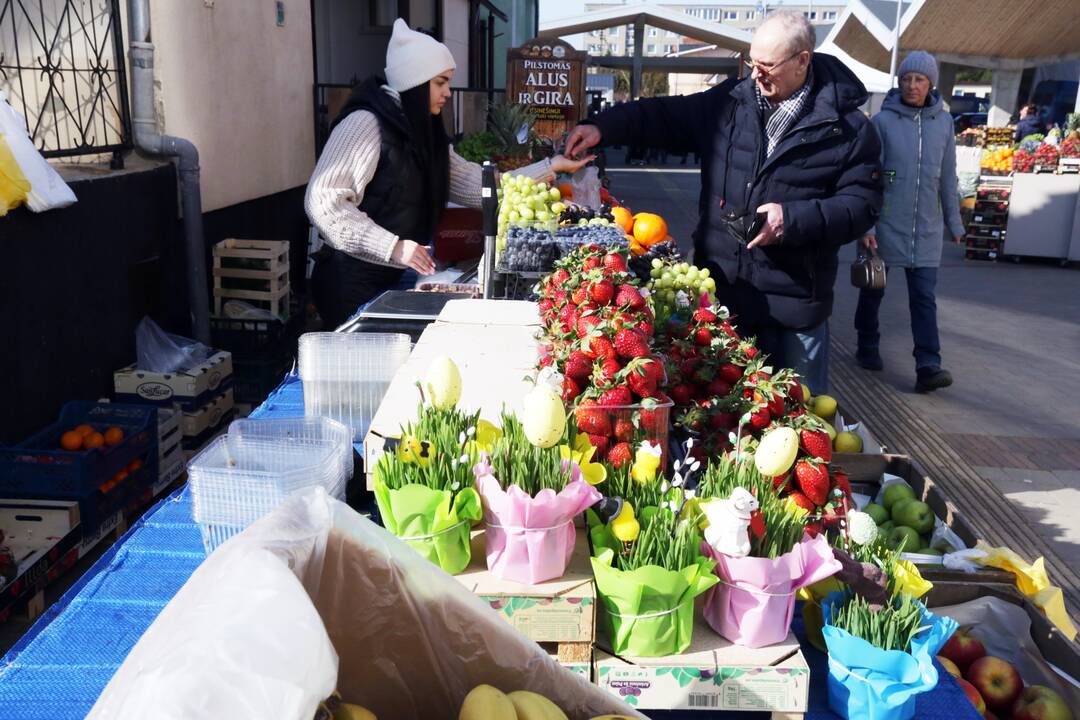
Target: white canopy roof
(653,16)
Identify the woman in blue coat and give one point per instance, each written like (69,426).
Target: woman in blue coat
(919,169)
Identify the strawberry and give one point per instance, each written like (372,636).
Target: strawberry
(780,482)
(802,501)
(600,442)
(568,316)
(570,390)
(627,295)
(559,277)
(591,420)
(730,373)
(758,377)
(703,337)
(776,406)
(694,419)
(641,380)
(617,397)
(591,263)
(631,344)
(602,292)
(813,479)
(656,367)
(624,430)
(813,529)
(578,366)
(704,315)
(580,294)
(816,443)
(560,297)
(719,388)
(749,351)
(682,394)
(608,371)
(722,421)
(760,419)
(588,306)
(650,419)
(546,361)
(615,263)
(586,323)
(597,347)
(619,455)
(546,306)
(840,479)
(646,329)
(688,367)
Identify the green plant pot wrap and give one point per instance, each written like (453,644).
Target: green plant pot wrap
(650,611)
(434,523)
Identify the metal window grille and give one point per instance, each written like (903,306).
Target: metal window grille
(62,66)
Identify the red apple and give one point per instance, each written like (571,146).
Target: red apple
(972,695)
(996,680)
(1040,703)
(950,666)
(963,649)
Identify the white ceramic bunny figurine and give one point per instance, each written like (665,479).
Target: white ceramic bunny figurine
(729,523)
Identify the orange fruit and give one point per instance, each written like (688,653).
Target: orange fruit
(84,429)
(93,440)
(134,465)
(113,436)
(565,191)
(637,248)
(71,440)
(649,228)
(623,218)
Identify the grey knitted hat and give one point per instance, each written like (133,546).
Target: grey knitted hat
(921,62)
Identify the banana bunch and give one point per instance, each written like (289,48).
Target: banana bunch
(485,702)
(334,709)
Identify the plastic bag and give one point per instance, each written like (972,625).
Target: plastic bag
(585,184)
(13,183)
(1005,630)
(242,640)
(47,189)
(158,351)
(240,310)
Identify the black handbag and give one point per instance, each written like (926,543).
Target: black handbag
(868,270)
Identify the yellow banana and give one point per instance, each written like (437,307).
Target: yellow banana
(487,703)
(532,706)
(348,711)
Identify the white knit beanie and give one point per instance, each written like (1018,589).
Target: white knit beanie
(413,58)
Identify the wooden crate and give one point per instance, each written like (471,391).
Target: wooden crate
(256,271)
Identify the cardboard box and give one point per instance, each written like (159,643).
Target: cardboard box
(190,388)
(517,313)
(712,674)
(208,417)
(575,657)
(43,536)
(561,611)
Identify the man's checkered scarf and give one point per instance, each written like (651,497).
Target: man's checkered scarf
(784,115)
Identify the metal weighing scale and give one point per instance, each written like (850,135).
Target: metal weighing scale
(401,311)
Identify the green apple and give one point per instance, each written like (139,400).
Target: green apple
(886,527)
(896,507)
(877,512)
(848,442)
(902,537)
(915,514)
(824,406)
(896,492)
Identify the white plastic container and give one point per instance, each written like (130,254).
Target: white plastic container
(242,476)
(345,375)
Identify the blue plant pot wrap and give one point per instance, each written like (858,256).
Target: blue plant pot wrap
(868,683)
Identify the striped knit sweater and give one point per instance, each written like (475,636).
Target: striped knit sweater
(347,165)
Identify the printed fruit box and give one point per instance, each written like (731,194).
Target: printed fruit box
(561,611)
(1011,627)
(190,388)
(867,478)
(712,675)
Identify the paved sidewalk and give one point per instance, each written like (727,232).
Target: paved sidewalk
(1010,334)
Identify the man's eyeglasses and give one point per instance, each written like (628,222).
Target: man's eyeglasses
(768,70)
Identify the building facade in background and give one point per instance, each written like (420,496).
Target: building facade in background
(619,41)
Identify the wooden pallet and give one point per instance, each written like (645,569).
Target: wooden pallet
(256,271)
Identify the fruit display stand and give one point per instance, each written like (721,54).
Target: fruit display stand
(713,674)
(866,479)
(1041,213)
(559,614)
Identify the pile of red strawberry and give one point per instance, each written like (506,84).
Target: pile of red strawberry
(598,327)
(813,484)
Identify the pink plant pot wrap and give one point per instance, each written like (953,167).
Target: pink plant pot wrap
(754,601)
(530,539)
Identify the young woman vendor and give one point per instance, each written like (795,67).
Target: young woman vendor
(386,174)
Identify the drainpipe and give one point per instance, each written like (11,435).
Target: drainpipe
(147,139)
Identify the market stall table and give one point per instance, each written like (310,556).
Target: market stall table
(60,667)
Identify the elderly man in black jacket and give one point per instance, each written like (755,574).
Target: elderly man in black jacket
(790,172)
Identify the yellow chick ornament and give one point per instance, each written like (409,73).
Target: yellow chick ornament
(646,463)
(625,526)
(418,452)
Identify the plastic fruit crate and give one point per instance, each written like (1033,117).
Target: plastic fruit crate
(346,375)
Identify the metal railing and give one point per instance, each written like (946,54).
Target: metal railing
(62,66)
